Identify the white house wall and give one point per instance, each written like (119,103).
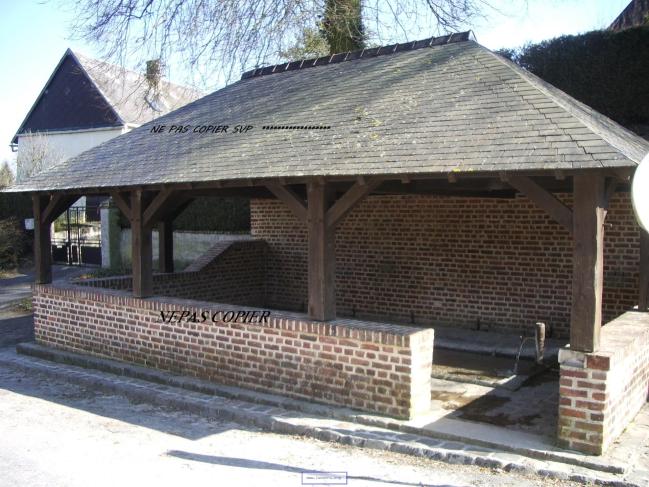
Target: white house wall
(69,143)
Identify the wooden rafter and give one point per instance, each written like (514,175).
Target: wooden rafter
(121,203)
(157,206)
(347,202)
(293,201)
(57,204)
(543,199)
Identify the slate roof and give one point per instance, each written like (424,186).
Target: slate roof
(451,107)
(118,97)
(130,95)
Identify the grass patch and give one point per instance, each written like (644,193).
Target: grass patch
(24,306)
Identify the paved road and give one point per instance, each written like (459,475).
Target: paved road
(55,433)
(19,287)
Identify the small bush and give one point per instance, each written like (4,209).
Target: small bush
(12,243)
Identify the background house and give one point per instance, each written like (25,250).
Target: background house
(86,102)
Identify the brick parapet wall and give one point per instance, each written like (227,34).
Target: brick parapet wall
(231,271)
(368,366)
(450,261)
(600,393)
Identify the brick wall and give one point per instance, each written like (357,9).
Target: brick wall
(368,366)
(600,393)
(449,261)
(231,271)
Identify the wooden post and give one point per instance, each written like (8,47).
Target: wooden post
(643,298)
(142,256)
(322,257)
(588,261)
(42,241)
(166,245)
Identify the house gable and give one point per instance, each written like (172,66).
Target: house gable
(70,100)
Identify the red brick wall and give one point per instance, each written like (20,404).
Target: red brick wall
(231,272)
(449,261)
(368,366)
(601,392)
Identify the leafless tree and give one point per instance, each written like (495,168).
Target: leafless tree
(35,153)
(6,175)
(216,39)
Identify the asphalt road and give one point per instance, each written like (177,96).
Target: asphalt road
(18,287)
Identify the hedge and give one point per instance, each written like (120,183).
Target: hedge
(15,205)
(211,214)
(608,71)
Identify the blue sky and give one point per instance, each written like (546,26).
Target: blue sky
(34,35)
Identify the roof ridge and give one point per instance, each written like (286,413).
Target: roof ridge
(359,54)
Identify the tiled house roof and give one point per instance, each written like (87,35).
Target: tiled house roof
(440,108)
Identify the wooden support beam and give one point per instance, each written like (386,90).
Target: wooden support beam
(643,297)
(42,241)
(293,201)
(322,256)
(142,256)
(166,246)
(588,261)
(609,190)
(543,199)
(347,202)
(122,203)
(180,205)
(158,206)
(57,204)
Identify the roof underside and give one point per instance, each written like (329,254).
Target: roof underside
(447,108)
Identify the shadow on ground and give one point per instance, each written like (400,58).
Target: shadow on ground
(15,329)
(257,465)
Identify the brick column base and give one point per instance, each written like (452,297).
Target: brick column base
(600,393)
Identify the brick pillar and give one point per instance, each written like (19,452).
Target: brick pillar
(601,392)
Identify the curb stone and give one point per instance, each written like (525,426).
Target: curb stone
(290,404)
(283,421)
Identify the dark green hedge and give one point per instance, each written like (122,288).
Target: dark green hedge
(215,214)
(608,71)
(15,205)
(210,214)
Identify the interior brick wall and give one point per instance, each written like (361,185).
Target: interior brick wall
(231,272)
(450,261)
(600,393)
(367,366)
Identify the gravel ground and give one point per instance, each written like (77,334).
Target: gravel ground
(56,433)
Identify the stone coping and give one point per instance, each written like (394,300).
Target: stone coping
(617,337)
(385,333)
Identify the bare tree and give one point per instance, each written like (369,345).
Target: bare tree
(216,40)
(35,153)
(6,175)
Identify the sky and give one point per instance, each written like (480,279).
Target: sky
(34,35)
